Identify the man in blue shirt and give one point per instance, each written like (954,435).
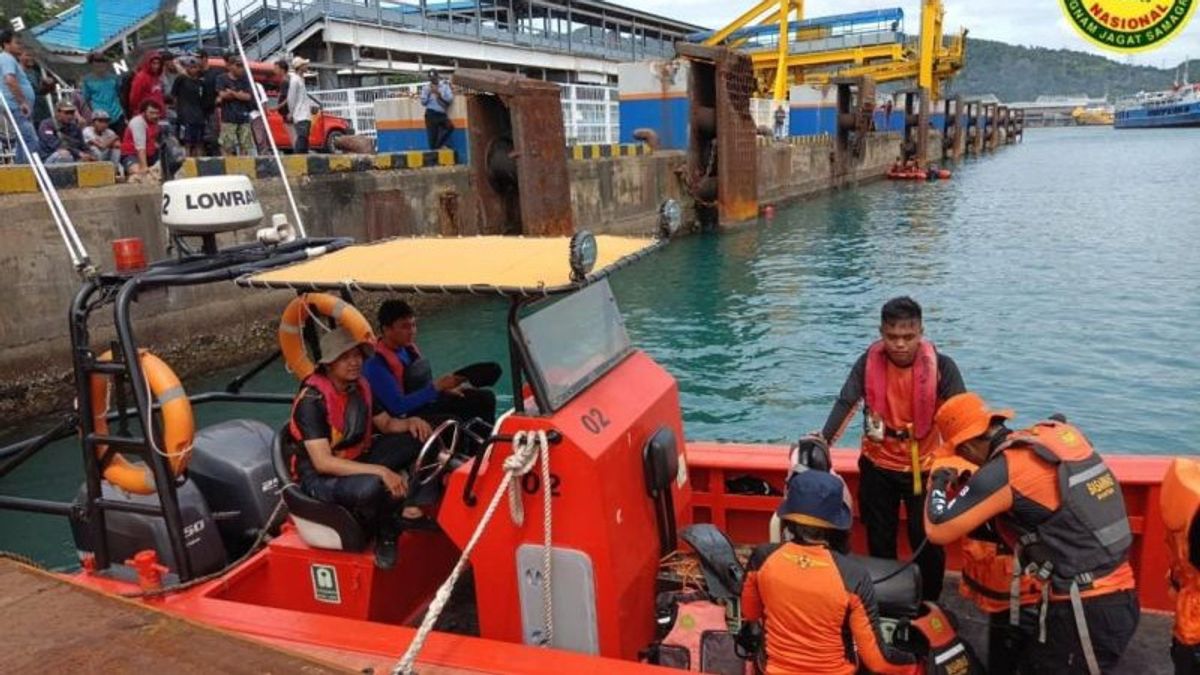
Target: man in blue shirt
(18,93)
(402,381)
(101,91)
(437,96)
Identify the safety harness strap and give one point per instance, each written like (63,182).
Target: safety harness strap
(1085,636)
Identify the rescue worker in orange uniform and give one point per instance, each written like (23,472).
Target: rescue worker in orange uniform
(817,604)
(1180,509)
(334,453)
(1061,512)
(902,379)
(987,575)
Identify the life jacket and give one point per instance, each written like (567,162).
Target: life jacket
(945,652)
(900,446)
(1089,535)
(987,572)
(347,419)
(1179,506)
(416,376)
(1086,538)
(698,640)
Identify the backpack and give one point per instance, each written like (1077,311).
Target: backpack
(124,87)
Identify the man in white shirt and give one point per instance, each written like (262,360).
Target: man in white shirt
(299,105)
(102,141)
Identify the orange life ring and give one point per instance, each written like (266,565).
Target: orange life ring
(291,328)
(179,426)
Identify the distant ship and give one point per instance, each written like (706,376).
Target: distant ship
(1093,115)
(1175,107)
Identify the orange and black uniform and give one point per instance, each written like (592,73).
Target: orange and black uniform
(1022,486)
(315,416)
(819,613)
(885,468)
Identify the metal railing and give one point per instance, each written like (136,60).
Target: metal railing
(358,104)
(268,28)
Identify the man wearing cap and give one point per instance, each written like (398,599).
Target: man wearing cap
(60,137)
(299,105)
(102,142)
(1060,509)
(437,96)
(901,379)
(333,453)
(817,604)
(189,95)
(100,91)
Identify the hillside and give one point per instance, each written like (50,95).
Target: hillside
(1015,73)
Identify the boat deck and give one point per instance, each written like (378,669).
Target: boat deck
(50,625)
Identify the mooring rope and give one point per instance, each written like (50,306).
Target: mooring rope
(528,446)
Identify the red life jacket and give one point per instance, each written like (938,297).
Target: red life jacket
(924,393)
(336,404)
(393,362)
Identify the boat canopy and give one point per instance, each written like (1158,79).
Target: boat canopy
(485,264)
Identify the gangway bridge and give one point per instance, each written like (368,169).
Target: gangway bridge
(554,39)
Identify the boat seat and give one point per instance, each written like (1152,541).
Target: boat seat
(320,524)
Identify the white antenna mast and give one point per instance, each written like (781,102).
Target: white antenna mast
(287,186)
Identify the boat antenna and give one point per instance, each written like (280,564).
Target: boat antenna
(236,37)
(62,220)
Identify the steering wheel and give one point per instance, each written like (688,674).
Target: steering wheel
(435,455)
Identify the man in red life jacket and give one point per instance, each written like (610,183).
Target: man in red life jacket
(817,604)
(902,379)
(403,382)
(335,455)
(1064,517)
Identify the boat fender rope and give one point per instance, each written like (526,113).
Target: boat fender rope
(527,446)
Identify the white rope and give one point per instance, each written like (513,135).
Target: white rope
(547,550)
(525,446)
(287,186)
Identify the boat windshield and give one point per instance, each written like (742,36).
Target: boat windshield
(575,341)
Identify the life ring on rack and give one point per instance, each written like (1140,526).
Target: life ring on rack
(291,328)
(179,426)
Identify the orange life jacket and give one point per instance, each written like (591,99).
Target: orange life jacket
(905,446)
(393,362)
(1179,504)
(336,410)
(987,577)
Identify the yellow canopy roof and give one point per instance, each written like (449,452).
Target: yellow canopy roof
(509,265)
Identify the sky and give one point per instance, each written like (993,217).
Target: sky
(1024,22)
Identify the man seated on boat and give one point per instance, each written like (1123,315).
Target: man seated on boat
(817,605)
(901,379)
(1065,518)
(335,455)
(403,381)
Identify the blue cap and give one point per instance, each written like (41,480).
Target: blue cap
(816,498)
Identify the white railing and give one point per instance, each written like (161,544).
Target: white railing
(358,104)
(591,113)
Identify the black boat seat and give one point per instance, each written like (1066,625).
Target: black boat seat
(320,524)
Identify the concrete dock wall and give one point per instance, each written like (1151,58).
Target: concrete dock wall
(200,329)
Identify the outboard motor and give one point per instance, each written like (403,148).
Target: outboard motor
(231,464)
(129,533)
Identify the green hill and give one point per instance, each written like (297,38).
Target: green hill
(1015,73)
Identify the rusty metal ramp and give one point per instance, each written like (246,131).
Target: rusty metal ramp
(51,625)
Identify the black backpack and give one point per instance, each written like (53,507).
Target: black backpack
(124,87)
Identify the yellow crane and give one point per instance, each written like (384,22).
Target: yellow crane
(787,49)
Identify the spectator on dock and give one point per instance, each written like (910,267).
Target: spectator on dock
(437,97)
(188,93)
(780,124)
(139,147)
(147,84)
(102,141)
(42,86)
(60,138)
(234,96)
(18,94)
(299,106)
(212,121)
(902,380)
(100,90)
